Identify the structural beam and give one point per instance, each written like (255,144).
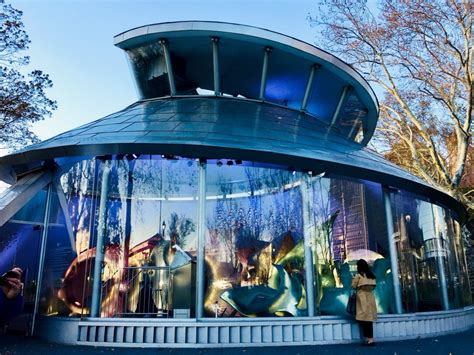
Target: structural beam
(342,100)
(44,237)
(99,249)
(357,123)
(169,66)
(64,208)
(309,86)
(19,194)
(393,251)
(215,62)
(309,240)
(263,81)
(201,240)
(439,254)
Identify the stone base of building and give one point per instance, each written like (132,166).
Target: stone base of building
(177,333)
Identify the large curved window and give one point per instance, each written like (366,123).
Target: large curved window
(20,243)
(143,210)
(347,223)
(122,241)
(431,268)
(254,243)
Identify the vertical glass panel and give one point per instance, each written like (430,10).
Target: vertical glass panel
(425,255)
(460,244)
(254,247)
(19,246)
(150,237)
(57,292)
(145,209)
(445,230)
(349,224)
(70,253)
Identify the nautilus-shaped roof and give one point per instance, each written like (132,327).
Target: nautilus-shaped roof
(217,90)
(183,58)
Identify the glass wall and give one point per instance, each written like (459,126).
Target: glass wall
(347,223)
(254,248)
(432,267)
(122,241)
(19,246)
(143,210)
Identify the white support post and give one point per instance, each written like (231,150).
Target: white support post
(201,240)
(99,249)
(169,66)
(44,239)
(263,81)
(393,251)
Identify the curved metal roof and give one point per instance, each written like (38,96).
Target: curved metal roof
(177,58)
(219,127)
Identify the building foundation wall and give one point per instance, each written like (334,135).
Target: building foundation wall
(174,333)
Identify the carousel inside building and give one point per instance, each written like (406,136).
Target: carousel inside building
(236,193)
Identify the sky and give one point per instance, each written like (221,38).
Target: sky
(72,41)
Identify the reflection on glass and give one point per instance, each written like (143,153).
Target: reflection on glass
(19,246)
(344,232)
(430,268)
(254,245)
(269,234)
(149,243)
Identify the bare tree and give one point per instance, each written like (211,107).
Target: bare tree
(419,52)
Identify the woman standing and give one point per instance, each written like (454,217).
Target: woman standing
(366,309)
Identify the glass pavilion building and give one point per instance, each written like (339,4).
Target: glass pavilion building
(228,206)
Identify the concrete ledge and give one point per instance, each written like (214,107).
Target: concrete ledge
(191,333)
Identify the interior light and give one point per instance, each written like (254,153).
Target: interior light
(238,162)
(219,163)
(230,162)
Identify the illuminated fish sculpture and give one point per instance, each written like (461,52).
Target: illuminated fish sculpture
(261,301)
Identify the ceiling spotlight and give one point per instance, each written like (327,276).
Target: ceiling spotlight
(131,156)
(230,162)
(169,157)
(219,163)
(238,162)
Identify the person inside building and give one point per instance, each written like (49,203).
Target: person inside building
(11,298)
(366,308)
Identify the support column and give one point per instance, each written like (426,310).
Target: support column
(309,86)
(263,81)
(342,100)
(440,253)
(99,249)
(201,240)
(215,63)
(393,251)
(169,66)
(308,234)
(44,239)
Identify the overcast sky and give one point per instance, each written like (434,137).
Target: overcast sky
(72,41)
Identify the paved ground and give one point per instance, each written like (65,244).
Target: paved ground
(455,344)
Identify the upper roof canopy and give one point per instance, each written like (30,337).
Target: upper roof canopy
(183,58)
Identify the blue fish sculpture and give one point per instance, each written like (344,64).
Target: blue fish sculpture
(265,301)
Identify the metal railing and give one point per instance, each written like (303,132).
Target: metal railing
(141,291)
